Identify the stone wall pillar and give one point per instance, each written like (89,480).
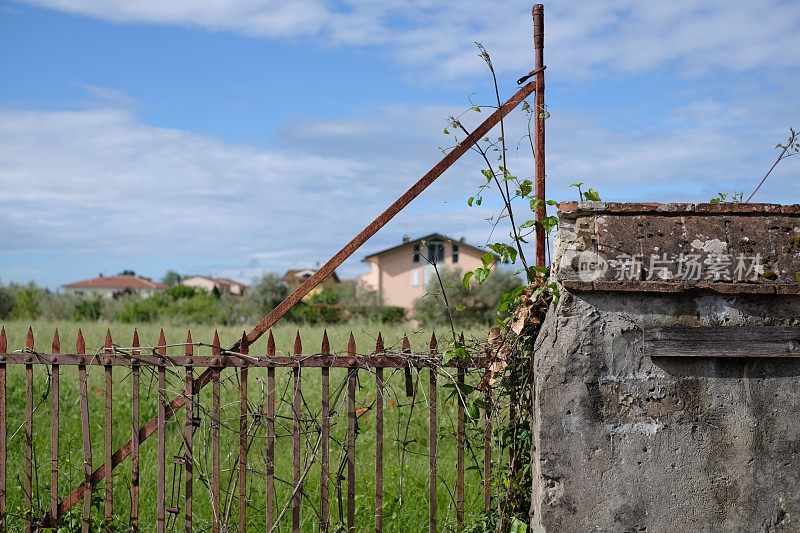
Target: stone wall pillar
(669,400)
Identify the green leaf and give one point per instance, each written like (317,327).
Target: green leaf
(476,108)
(592,195)
(714,201)
(479,201)
(488,174)
(577,184)
(472,411)
(481,274)
(525,105)
(487,259)
(552,203)
(467,277)
(461,308)
(470,200)
(528,224)
(525,188)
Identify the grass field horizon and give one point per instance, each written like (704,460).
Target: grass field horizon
(405,442)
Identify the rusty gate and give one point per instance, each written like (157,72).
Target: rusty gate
(236,361)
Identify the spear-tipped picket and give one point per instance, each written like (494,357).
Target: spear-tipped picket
(379,350)
(433,436)
(325,349)
(270,460)
(351,437)
(215,451)
(108,450)
(80,348)
(161,467)
(244,346)
(188,432)
(3,340)
(296,404)
(55,348)
(27,482)
(135,436)
(326,345)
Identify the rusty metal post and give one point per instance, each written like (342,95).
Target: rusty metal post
(541,115)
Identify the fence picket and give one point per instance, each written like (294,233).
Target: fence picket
(352,374)
(433,436)
(161,468)
(379,350)
(108,450)
(215,452)
(135,421)
(80,348)
(188,433)
(326,432)
(296,401)
(243,349)
(27,486)
(270,493)
(54,423)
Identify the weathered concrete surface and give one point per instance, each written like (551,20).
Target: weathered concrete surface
(636,242)
(624,442)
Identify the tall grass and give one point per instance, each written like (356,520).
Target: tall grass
(406,433)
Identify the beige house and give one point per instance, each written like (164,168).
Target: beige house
(114,286)
(208,284)
(400,273)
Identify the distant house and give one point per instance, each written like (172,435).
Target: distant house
(223,285)
(295,277)
(400,273)
(114,286)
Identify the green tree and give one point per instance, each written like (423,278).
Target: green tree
(6,302)
(171,277)
(266,293)
(476,305)
(88,309)
(26,304)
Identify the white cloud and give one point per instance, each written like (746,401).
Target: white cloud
(99,182)
(435,36)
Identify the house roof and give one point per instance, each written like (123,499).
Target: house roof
(229,282)
(220,281)
(301,274)
(115,282)
(431,237)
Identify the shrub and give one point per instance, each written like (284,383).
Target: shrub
(6,302)
(474,306)
(26,304)
(264,295)
(88,309)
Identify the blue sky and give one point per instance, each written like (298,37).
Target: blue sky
(237,137)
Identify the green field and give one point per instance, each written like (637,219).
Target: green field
(406,433)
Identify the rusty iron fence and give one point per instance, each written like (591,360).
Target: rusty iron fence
(255,437)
